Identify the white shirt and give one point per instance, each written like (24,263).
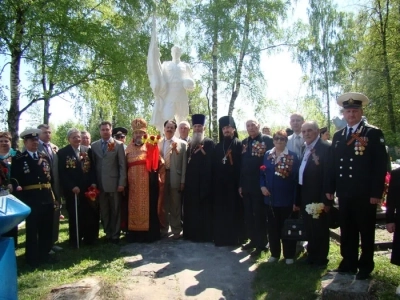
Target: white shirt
(31,154)
(307,154)
(277,158)
(166,146)
(354,128)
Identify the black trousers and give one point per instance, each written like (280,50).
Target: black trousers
(39,233)
(276,217)
(255,218)
(318,238)
(357,217)
(88,220)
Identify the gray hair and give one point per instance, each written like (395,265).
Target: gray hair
(86,133)
(71,131)
(254,121)
(184,122)
(313,124)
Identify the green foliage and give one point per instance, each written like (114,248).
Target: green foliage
(228,37)
(59,135)
(324,51)
(374,67)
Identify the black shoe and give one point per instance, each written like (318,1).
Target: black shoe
(248,246)
(362,275)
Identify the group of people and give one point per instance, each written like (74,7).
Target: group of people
(227,192)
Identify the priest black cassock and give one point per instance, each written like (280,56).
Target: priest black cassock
(197,206)
(228,205)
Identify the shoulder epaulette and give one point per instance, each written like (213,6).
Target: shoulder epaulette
(20,155)
(371,126)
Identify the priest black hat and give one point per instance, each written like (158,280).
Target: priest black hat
(226,121)
(198,119)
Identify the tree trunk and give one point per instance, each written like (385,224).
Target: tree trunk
(16,54)
(238,73)
(214,103)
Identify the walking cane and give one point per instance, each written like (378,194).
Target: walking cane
(76,220)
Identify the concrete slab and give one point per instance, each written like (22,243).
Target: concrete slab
(170,269)
(345,287)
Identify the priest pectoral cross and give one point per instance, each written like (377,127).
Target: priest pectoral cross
(224,160)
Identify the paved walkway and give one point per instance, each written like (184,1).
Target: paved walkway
(170,269)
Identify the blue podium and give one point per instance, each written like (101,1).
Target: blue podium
(12,212)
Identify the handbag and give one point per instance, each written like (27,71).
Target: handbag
(294,229)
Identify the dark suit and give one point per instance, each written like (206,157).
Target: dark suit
(312,191)
(78,171)
(34,176)
(356,178)
(253,199)
(393,213)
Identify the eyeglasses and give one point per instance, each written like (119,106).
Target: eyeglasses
(278,138)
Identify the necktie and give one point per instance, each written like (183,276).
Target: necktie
(104,146)
(35,156)
(350,133)
(48,148)
(167,155)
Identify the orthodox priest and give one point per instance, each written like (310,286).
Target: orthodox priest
(228,206)
(143,161)
(198,206)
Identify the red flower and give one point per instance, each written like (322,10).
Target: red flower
(263,168)
(5,171)
(152,137)
(387,178)
(92,193)
(145,136)
(158,137)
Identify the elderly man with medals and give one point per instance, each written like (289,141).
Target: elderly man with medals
(197,208)
(357,175)
(228,206)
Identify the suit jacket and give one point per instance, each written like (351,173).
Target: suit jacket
(355,175)
(251,162)
(177,161)
(75,170)
(316,169)
(111,166)
(55,184)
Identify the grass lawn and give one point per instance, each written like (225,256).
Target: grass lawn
(272,280)
(101,260)
(298,281)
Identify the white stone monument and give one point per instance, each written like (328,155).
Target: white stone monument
(170,82)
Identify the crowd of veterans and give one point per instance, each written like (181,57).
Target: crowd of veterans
(180,186)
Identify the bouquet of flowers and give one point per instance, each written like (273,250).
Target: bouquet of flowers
(92,193)
(315,209)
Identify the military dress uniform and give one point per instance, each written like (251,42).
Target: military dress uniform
(32,185)
(357,172)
